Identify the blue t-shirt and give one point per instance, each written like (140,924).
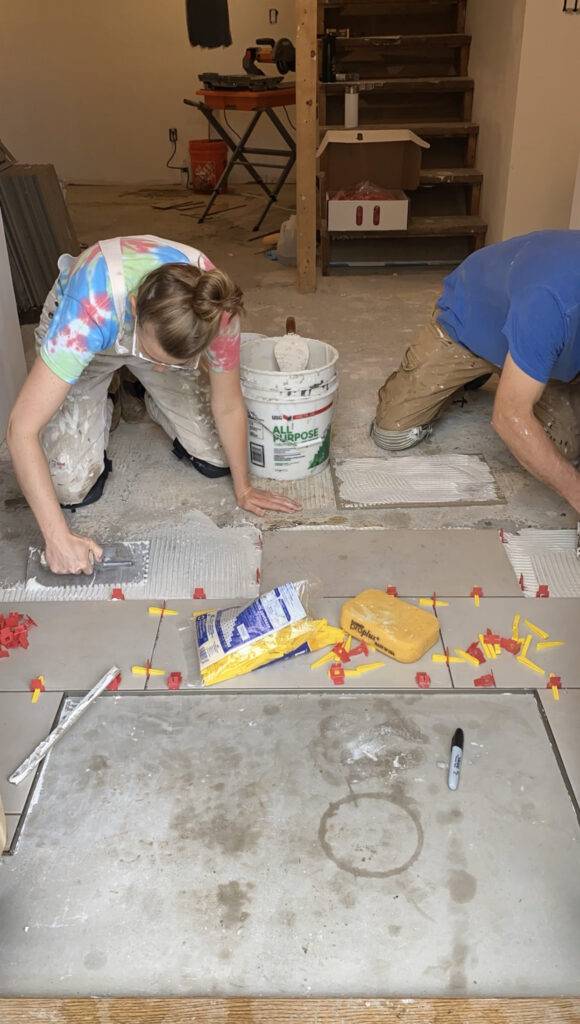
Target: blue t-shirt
(523,297)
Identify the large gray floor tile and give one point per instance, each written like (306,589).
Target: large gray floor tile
(175,652)
(564,718)
(461,623)
(76,642)
(22,725)
(303,844)
(448,562)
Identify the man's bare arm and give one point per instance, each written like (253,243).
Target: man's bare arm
(514,421)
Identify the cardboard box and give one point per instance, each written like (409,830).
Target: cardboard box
(389,159)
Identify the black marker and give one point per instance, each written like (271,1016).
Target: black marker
(455,759)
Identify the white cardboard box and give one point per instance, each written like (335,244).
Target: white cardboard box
(387,158)
(369,214)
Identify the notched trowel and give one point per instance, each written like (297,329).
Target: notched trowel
(125,562)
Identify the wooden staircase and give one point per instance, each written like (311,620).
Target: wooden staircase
(412,60)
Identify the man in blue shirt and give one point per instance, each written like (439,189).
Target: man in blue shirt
(512,309)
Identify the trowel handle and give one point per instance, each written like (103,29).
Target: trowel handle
(290,325)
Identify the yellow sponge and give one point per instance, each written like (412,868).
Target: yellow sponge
(390,625)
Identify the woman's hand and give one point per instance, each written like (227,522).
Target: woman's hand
(72,554)
(259,502)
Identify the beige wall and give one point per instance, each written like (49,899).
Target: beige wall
(546,141)
(526,65)
(497,28)
(94,87)
(12,364)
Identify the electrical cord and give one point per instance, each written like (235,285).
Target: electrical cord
(174,167)
(230,126)
(293,126)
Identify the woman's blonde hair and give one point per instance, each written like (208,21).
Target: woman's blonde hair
(184,305)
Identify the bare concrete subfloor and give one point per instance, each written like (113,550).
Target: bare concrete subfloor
(369,318)
(304,845)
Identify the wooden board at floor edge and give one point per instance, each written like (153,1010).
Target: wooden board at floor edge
(283,1011)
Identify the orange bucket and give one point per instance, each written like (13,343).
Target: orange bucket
(208,159)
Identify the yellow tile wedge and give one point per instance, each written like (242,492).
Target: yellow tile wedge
(536,630)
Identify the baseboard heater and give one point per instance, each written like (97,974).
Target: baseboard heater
(38,229)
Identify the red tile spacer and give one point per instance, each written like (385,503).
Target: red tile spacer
(343,654)
(508,644)
(392,592)
(491,638)
(258,575)
(554,681)
(543,590)
(521,582)
(502,536)
(117,595)
(475,650)
(12,619)
(336,673)
(361,648)
(115,683)
(199,594)
(36,684)
(174,680)
(423,680)
(487,680)
(477,592)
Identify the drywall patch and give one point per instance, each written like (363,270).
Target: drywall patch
(415,480)
(545,557)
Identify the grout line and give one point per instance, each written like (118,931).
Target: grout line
(557,755)
(210,691)
(156,638)
(448,666)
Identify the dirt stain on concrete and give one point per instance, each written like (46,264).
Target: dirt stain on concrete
(347,864)
(462,886)
(233,899)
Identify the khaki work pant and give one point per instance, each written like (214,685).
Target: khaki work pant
(435,368)
(76,437)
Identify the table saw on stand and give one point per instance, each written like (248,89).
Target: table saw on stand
(260,102)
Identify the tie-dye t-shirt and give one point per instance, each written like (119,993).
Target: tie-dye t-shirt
(85,323)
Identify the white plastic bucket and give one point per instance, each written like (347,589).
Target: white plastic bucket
(289,414)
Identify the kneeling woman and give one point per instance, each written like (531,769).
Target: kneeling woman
(161,309)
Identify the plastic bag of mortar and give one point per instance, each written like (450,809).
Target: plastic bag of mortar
(277,625)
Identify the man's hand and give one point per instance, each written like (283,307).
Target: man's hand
(72,554)
(259,502)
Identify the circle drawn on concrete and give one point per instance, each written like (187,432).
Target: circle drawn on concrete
(368,840)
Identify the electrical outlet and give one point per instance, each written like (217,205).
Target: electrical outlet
(173,134)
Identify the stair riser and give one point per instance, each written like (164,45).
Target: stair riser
(366,20)
(409,65)
(445,201)
(400,108)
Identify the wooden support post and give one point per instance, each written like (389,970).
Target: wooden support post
(306,142)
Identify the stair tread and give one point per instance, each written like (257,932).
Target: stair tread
(439,226)
(451,175)
(442,128)
(392,3)
(453,39)
(451,83)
